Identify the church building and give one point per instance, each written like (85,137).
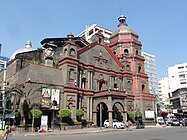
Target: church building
(105,80)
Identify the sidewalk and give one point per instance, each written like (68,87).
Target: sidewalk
(76,131)
(67,132)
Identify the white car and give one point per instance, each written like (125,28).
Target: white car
(116,124)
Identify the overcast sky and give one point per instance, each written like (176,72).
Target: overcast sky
(160,24)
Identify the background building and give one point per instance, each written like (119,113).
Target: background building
(151,71)
(88,33)
(178,88)
(177,76)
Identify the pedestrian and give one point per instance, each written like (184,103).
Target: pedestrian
(6,133)
(128,125)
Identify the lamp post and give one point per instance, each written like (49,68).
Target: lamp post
(3,93)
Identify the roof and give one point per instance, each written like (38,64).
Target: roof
(122,27)
(27,48)
(56,41)
(41,74)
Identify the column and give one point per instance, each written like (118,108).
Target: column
(80,79)
(88,108)
(110,110)
(91,108)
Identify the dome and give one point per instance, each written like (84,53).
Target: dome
(122,27)
(27,48)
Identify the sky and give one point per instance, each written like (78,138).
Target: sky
(160,24)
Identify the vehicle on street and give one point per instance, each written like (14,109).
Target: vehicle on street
(115,124)
(175,122)
(184,122)
(160,120)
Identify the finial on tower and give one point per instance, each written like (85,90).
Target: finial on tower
(122,20)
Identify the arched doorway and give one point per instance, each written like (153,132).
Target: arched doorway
(117,112)
(102,113)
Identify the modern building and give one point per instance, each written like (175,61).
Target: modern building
(178,88)
(177,76)
(151,71)
(88,33)
(2,59)
(164,91)
(105,80)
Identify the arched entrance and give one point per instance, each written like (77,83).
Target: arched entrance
(102,113)
(117,112)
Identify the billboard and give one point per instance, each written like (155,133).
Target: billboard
(49,96)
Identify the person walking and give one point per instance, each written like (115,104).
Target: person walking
(129,125)
(6,133)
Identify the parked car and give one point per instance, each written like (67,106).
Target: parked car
(160,120)
(115,124)
(175,122)
(184,121)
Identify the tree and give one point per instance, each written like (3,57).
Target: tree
(36,113)
(79,113)
(130,114)
(65,114)
(138,114)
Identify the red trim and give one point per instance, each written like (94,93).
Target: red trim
(124,111)
(110,111)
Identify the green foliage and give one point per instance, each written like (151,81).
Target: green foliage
(131,114)
(16,112)
(84,123)
(79,112)
(77,123)
(138,114)
(65,113)
(36,113)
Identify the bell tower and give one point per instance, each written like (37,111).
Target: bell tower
(126,46)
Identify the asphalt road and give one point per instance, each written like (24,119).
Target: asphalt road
(171,133)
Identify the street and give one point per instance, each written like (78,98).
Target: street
(169,133)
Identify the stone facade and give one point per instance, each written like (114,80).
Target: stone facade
(105,80)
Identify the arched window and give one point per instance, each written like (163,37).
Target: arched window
(136,52)
(143,87)
(139,68)
(71,74)
(114,52)
(65,51)
(128,67)
(72,52)
(126,51)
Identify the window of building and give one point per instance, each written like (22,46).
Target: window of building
(136,52)
(182,67)
(128,67)
(72,52)
(126,51)
(139,68)
(91,32)
(182,76)
(143,87)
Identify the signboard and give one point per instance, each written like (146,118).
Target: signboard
(175,111)
(44,121)
(149,114)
